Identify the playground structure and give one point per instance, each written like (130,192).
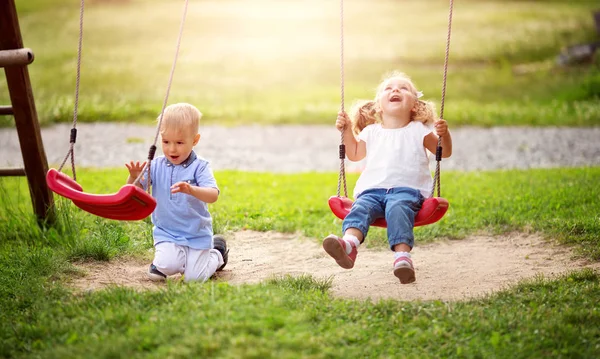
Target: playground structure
(581,54)
(433,208)
(15,59)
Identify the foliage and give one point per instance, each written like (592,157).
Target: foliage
(291,74)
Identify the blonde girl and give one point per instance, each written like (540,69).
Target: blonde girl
(393,133)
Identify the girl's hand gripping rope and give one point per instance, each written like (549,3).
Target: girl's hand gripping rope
(343,122)
(441,127)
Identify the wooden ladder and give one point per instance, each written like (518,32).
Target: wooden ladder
(14,59)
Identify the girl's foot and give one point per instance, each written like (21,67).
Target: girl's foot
(404,270)
(338,249)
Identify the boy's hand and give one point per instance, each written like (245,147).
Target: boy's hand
(342,122)
(441,127)
(135,168)
(182,187)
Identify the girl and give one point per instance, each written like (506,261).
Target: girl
(392,134)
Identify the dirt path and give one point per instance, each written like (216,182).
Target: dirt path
(452,270)
(300,148)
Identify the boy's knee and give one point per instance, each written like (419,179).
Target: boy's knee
(167,268)
(204,268)
(195,277)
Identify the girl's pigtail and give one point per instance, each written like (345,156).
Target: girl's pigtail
(363,113)
(424,112)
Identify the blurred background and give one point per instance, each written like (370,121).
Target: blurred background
(278,62)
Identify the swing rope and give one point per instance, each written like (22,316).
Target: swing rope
(342,149)
(438,152)
(131,202)
(152,149)
(73,136)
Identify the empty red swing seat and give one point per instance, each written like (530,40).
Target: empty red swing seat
(129,204)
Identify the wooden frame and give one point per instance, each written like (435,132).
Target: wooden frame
(15,59)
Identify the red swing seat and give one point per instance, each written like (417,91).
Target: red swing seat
(433,210)
(131,203)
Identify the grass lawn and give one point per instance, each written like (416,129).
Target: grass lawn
(291,317)
(275,62)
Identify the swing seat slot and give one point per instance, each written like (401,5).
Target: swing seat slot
(433,210)
(130,203)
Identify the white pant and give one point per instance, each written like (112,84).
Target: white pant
(194,264)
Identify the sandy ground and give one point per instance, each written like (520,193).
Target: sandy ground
(449,270)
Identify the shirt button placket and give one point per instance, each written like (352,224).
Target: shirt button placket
(171,181)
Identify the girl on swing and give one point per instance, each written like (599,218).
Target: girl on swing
(392,133)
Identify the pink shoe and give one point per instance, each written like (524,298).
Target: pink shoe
(336,248)
(404,270)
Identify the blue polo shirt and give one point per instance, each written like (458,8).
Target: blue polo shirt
(181,218)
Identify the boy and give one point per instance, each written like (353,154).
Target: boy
(182,184)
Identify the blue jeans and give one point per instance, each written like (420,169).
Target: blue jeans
(398,206)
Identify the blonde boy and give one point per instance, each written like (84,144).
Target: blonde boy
(182,184)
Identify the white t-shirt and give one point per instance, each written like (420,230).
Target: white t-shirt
(395,158)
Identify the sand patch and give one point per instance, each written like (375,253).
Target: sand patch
(446,270)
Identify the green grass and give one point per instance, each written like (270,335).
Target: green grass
(280,64)
(290,317)
(562,203)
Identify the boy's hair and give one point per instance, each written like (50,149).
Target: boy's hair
(367,112)
(181,117)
